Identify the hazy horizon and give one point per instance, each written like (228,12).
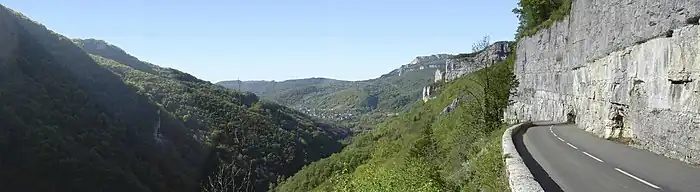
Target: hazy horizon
(279,41)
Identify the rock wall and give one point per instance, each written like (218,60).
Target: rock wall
(430,59)
(439,75)
(627,69)
(427,95)
(464,64)
(436,61)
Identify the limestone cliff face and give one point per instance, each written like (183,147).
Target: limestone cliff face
(463,64)
(436,61)
(467,63)
(621,69)
(439,75)
(427,95)
(430,58)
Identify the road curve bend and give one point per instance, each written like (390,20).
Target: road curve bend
(564,158)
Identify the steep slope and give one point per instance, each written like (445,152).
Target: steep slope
(71,121)
(427,148)
(244,128)
(70,125)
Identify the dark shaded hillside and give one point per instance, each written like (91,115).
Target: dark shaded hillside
(75,122)
(243,127)
(70,125)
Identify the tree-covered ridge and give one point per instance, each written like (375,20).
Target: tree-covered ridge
(265,139)
(357,104)
(71,121)
(425,149)
(70,125)
(538,14)
(268,88)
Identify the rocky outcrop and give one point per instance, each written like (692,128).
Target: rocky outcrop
(464,64)
(625,69)
(427,93)
(451,107)
(439,75)
(436,61)
(430,59)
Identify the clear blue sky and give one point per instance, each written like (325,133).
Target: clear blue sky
(281,39)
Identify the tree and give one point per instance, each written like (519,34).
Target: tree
(224,180)
(533,13)
(485,61)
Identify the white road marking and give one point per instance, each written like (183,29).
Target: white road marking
(638,179)
(552,131)
(596,158)
(599,160)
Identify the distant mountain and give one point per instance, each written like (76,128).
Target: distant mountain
(432,62)
(365,101)
(430,59)
(265,88)
(83,115)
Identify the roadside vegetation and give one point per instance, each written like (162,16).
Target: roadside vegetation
(424,149)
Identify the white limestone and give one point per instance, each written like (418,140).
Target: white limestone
(618,60)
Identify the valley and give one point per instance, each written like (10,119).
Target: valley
(611,85)
(357,104)
(86,108)
(82,115)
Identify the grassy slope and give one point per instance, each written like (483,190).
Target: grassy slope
(420,150)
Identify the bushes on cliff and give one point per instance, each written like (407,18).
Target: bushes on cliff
(537,14)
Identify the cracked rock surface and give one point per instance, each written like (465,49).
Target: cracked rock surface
(627,68)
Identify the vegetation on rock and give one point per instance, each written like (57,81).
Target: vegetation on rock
(535,15)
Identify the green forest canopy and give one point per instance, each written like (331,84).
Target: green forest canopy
(80,122)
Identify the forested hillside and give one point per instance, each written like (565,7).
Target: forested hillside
(72,121)
(251,134)
(357,104)
(427,148)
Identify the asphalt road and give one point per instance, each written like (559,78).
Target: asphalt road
(565,158)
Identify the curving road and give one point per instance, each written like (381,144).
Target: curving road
(565,158)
